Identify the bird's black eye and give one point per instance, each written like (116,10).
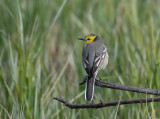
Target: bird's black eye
(88,39)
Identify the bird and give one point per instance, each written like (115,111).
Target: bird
(94,58)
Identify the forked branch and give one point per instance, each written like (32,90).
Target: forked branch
(102,104)
(107,104)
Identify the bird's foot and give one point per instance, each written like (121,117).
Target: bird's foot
(102,102)
(84,81)
(93,102)
(99,77)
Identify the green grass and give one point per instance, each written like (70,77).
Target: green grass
(40,56)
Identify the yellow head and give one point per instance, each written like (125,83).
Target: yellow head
(88,39)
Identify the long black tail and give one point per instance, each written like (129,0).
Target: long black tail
(89,88)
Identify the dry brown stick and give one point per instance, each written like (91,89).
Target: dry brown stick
(107,104)
(104,84)
(102,104)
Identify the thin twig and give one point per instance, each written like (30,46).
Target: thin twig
(107,104)
(102,104)
(104,84)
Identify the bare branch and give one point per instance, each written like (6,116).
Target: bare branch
(107,104)
(104,84)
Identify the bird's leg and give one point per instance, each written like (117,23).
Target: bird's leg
(102,102)
(84,81)
(99,77)
(93,102)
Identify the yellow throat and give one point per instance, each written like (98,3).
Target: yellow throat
(90,38)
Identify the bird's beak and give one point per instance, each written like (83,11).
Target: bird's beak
(82,39)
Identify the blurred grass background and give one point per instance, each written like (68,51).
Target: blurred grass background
(40,56)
